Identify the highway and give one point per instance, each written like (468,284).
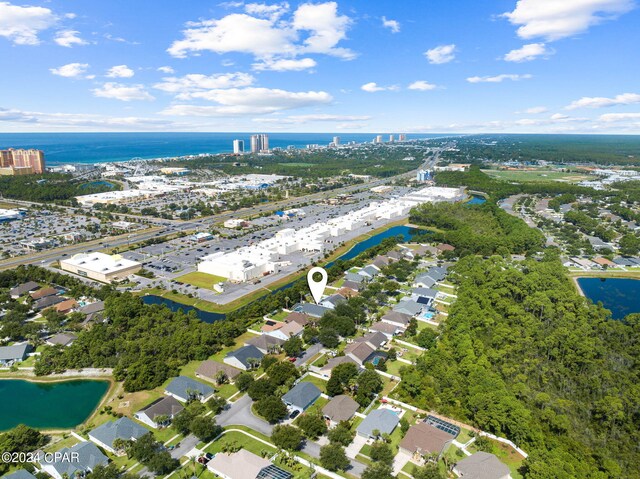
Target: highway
(162,227)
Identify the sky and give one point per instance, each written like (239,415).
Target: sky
(410,66)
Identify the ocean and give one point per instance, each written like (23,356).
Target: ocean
(90,148)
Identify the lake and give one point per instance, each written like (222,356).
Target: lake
(47,405)
(620,295)
(404,231)
(205,316)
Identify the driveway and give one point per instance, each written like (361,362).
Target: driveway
(308,354)
(239,414)
(313,449)
(354,448)
(186,445)
(400,461)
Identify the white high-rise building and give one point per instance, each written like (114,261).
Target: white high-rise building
(391,139)
(378,139)
(336,140)
(259,143)
(402,137)
(238,146)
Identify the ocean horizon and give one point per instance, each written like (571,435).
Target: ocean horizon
(91,148)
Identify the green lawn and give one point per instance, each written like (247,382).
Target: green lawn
(201,280)
(537,175)
(245,442)
(320,383)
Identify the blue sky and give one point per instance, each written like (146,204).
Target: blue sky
(359,66)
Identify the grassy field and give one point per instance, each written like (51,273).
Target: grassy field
(537,175)
(201,280)
(242,440)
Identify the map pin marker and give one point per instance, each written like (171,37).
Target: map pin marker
(317,287)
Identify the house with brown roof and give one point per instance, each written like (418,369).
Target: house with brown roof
(481,465)
(389,330)
(210,370)
(604,262)
(288,330)
(352,285)
(300,318)
(66,306)
(340,408)
(266,343)
(43,293)
(244,464)
(397,319)
(442,247)
(424,439)
(359,351)
(271,325)
(165,409)
(347,292)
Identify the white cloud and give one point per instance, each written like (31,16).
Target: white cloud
(556,19)
(312,28)
(184,87)
(602,102)
(120,71)
(248,101)
(166,69)
(498,78)
(21,25)
(392,25)
(441,54)
(70,70)
(373,87)
(273,12)
(119,91)
(422,86)
(285,64)
(536,110)
(68,38)
(615,117)
(527,53)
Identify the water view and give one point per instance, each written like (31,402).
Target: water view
(620,295)
(46,405)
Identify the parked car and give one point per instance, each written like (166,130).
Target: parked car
(294,414)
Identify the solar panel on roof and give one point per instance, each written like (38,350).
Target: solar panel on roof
(273,472)
(443,425)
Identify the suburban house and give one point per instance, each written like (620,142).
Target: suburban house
(347,292)
(333,362)
(437,272)
(66,306)
(245,465)
(424,280)
(397,319)
(380,262)
(389,330)
(123,428)
(383,421)
(442,247)
(352,285)
(301,396)
(359,351)
(481,465)
(43,293)
(211,371)
(424,293)
(409,307)
(23,289)
(287,331)
(340,408)
(424,439)
(20,474)
(47,302)
(13,354)
(88,457)
(164,408)
(375,340)
(240,357)
(94,311)
(332,301)
(354,277)
(369,272)
(183,389)
(62,339)
(313,310)
(300,318)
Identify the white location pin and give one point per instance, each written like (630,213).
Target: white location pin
(317,287)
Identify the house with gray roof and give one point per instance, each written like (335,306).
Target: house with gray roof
(352,285)
(209,370)
(340,408)
(389,330)
(333,362)
(23,289)
(123,428)
(481,465)
(301,396)
(47,302)
(437,273)
(424,292)
(397,318)
(383,421)
(14,353)
(424,280)
(74,461)
(244,464)
(165,408)
(310,309)
(332,301)
(62,339)
(240,357)
(409,307)
(355,277)
(369,271)
(20,474)
(268,343)
(183,389)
